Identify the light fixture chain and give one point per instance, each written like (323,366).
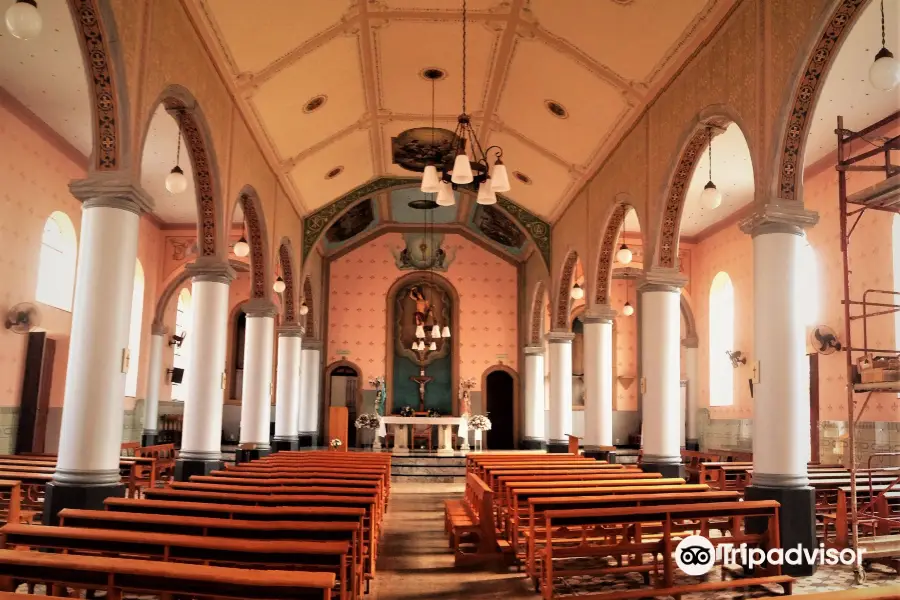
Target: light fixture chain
(178,147)
(883,41)
(465,12)
(709,135)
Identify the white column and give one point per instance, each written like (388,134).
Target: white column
(682,413)
(692,369)
(661,369)
(309,398)
(598,397)
(535,434)
(560,390)
(256,391)
(201,440)
(287,387)
(154,380)
(91,432)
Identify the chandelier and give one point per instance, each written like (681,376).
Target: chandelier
(476,169)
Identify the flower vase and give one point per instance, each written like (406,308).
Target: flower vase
(478,434)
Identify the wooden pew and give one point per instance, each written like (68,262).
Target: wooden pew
(839,520)
(11,502)
(693,460)
(331,557)
(470,523)
(116,576)
(885,592)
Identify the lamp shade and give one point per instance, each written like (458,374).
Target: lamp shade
(711,196)
(577,292)
(462,170)
(279,285)
(485,194)
(414,347)
(304,310)
(628,309)
(624,255)
(435,332)
(176,182)
(421,345)
(241,247)
(420,332)
(445,195)
(884,72)
(23,19)
(445,332)
(499,177)
(430,182)
(432,347)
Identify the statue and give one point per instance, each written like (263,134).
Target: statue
(423,307)
(380,393)
(465,401)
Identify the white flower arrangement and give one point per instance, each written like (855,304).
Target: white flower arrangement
(479,422)
(367,421)
(336,443)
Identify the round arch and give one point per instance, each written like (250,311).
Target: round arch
(563,297)
(179,279)
(180,103)
(538,302)
(448,287)
(289,299)
(516,394)
(326,396)
(607,252)
(259,242)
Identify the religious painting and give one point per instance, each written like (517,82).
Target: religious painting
(423,252)
(415,148)
(352,223)
(496,226)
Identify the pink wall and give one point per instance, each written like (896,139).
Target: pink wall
(488,297)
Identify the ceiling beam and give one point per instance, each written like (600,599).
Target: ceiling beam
(368,74)
(500,67)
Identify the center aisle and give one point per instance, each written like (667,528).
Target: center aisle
(415,562)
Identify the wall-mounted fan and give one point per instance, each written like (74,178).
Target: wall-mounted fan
(824,340)
(23,317)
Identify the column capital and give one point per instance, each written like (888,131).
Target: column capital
(158,329)
(779,216)
(560,337)
(534,350)
(112,189)
(312,344)
(210,268)
(662,279)
(691,342)
(259,308)
(599,314)
(291,331)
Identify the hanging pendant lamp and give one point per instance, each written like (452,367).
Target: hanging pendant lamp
(711,197)
(176,182)
(279,285)
(577,292)
(624,255)
(885,70)
(23,19)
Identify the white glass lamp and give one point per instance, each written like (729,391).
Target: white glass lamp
(462,170)
(176,182)
(435,332)
(577,292)
(624,255)
(420,332)
(431,184)
(711,197)
(23,19)
(445,195)
(445,332)
(499,177)
(304,310)
(885,71)
(486,195)
(421,345)
(432,347)
(241,247)
(279,285)
(628,309)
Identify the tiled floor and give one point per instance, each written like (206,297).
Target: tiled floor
(416,564)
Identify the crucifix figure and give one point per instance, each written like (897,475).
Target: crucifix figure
(422,379)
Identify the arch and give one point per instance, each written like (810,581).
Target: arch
(95,28)
(448,287)
(607,252)
(134,330)
(500,367)
(327,387)
(286,260)
(721,340)
(194,127)
(563,297)
(259,242)
(537,314)
(694,143)
(310,323)
(792,128)
(177,281)
(57,262)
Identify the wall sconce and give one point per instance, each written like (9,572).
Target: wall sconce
(737,358)
(177,340)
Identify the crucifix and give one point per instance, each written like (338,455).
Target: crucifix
(422,379)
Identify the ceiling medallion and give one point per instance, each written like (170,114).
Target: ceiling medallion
(423,204)
(334,172)
(433,74)
(522,177)
(314,103)
(415,148)
(556,109)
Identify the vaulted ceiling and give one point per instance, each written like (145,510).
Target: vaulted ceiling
(328,84)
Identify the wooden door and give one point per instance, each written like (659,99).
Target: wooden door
(35,399)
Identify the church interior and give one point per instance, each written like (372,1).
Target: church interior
(575,299)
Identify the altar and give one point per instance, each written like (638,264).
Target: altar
(400,426)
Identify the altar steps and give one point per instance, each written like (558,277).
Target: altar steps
(423,467)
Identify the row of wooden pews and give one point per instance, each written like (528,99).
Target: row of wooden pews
(564,516)
(290,525)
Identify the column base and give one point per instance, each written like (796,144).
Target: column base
(245,455)
(598,454)
(58,496)
(796,521)
(533,444)
(667,469)
(692,445)
(186,467)
(148,438)
(306,439)
(285,444)
(554,447)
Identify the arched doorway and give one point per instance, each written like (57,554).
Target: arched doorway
(500,390)
(342,390)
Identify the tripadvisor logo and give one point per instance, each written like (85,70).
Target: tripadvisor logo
(695,555)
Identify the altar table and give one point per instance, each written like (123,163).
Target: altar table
(401,425)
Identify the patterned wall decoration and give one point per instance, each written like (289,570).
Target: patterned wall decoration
(807,93)
(607,253)
(286,259)
(563,298)
(107,140)
(255,229)
(310,324)
(351,223)
(496,226)
(534,225)
(203,180)
(537,313)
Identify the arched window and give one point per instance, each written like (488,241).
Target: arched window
(721,340)
(56,269)
(808,282)
(182,323)
(134,330)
